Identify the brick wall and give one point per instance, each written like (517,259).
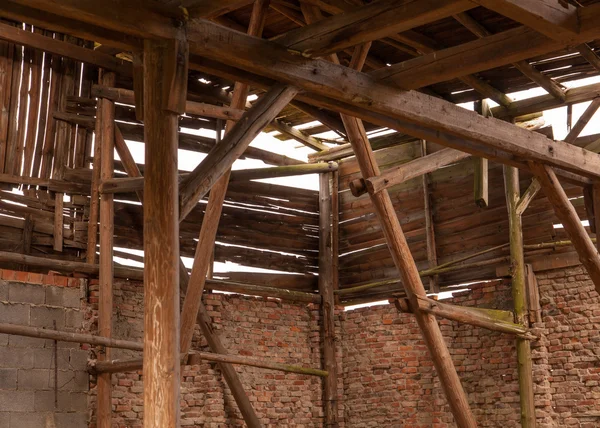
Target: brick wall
(386,374)
(27,365)
(389,379)
(256,327)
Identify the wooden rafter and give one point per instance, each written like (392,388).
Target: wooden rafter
(523,66)
(387,106)
(555,19)
(371,22)
(488,52)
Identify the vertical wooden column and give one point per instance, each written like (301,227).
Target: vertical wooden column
(429,229)
(161,245)
(480,173)
(519,293)
(105,140)
(326,279)
(335,230)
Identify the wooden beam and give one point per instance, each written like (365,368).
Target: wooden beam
(127,161)
(548,102)
(429,225)
(127,96)
(491,319)
(588,254)
(519,294)
(557,20)
(596,206)
(161,249)
(298,135)
(411,112)
(64,336)
(370,22)
(582,121)
(213,8)
(118,366)
(481,173)
(197,184)
(407,268)
(330,386)
(283,171)
(590,56)
(414,168)
(523,66)
(528,196)
(69,50)
(105,303)
(489,52)
(53,20)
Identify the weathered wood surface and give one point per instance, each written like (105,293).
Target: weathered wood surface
(161,248)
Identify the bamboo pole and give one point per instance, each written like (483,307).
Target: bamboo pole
(105,304)
(519,294)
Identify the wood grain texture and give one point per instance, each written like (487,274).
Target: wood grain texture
(161,250)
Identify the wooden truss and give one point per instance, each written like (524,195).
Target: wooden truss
(318,69)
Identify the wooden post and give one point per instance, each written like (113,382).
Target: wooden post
(328,305)
(210,222)
(564,210)
(596,205)
(480,179)
(429,226)
(519,293)
(401,254)
(161,246)
(105,305)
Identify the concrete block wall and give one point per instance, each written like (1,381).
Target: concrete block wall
(27,365)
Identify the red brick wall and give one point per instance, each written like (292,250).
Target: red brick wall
(254,327)
(389,379)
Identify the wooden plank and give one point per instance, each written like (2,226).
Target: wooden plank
(583,120)
(588,254)
(519,295)
(68,50)
(197,184)
(596,206)
(554,19)
(414,168)
(298,135)
(429,225)
(370,22)
(328,304)
(161,249)
(387,106)
(59,227)
(107,215)
(533,295)
(590,56)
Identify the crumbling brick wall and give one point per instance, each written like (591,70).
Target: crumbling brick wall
(255,327)
(27,365)
(386,374)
